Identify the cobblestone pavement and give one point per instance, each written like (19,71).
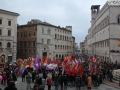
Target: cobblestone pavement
(22,86)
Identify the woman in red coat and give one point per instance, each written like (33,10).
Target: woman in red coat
(4,77)
(49,82)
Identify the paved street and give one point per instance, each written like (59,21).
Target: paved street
(22,86)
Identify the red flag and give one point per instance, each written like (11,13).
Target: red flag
(68,70)
(96,69)
(81,71)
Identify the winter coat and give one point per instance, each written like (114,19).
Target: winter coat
(77,80)
(49,81)
(28,79)
(89,79)
(65,80)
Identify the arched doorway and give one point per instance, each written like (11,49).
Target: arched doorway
(45,52)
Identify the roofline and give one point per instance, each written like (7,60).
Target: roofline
(42,24)
(73,37)
(8,12)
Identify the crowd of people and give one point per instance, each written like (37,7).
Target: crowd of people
(60,80)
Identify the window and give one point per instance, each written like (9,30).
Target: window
(60,37)
(55,47)
(25,34)
(42,41)
(63,37)
(24,50)
(55,36)
(8,45)
(42,30)
(0,31)
(58,47)
(118,19)
(118,43)
(9,23)
(29,51)
(24,43)
(9,32)
(21,51)
(34,51)
(20,43)
(21,34)
(29,43)
(34,33)
(29,34)
(0,45)
(18,51)
(49,32)
(34,43)
(17,34)
(0,21)
(48,41)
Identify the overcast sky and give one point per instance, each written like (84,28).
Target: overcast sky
(75,13)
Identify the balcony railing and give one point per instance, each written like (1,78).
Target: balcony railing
(7,38)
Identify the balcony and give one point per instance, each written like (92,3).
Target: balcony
(9,49)
(7,38)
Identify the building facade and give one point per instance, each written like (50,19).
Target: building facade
(44,40)
(82,48)
(73,46)
(104,33)
(8,36)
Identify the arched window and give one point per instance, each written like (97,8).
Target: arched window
(118,19)
(8,45)
(55,46)
(58,36)
(0,45)
(63,37)
(61,47)
(58,47)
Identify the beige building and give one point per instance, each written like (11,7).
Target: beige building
(8,35)
(104,34)
(49,40)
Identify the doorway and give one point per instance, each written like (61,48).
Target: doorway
(9,59)
(44,55)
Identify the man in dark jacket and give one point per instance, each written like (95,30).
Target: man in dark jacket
(77,82)
(28,80)
(11,86)
(65,82)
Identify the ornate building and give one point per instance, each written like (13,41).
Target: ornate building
(8,36)
(104,34)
